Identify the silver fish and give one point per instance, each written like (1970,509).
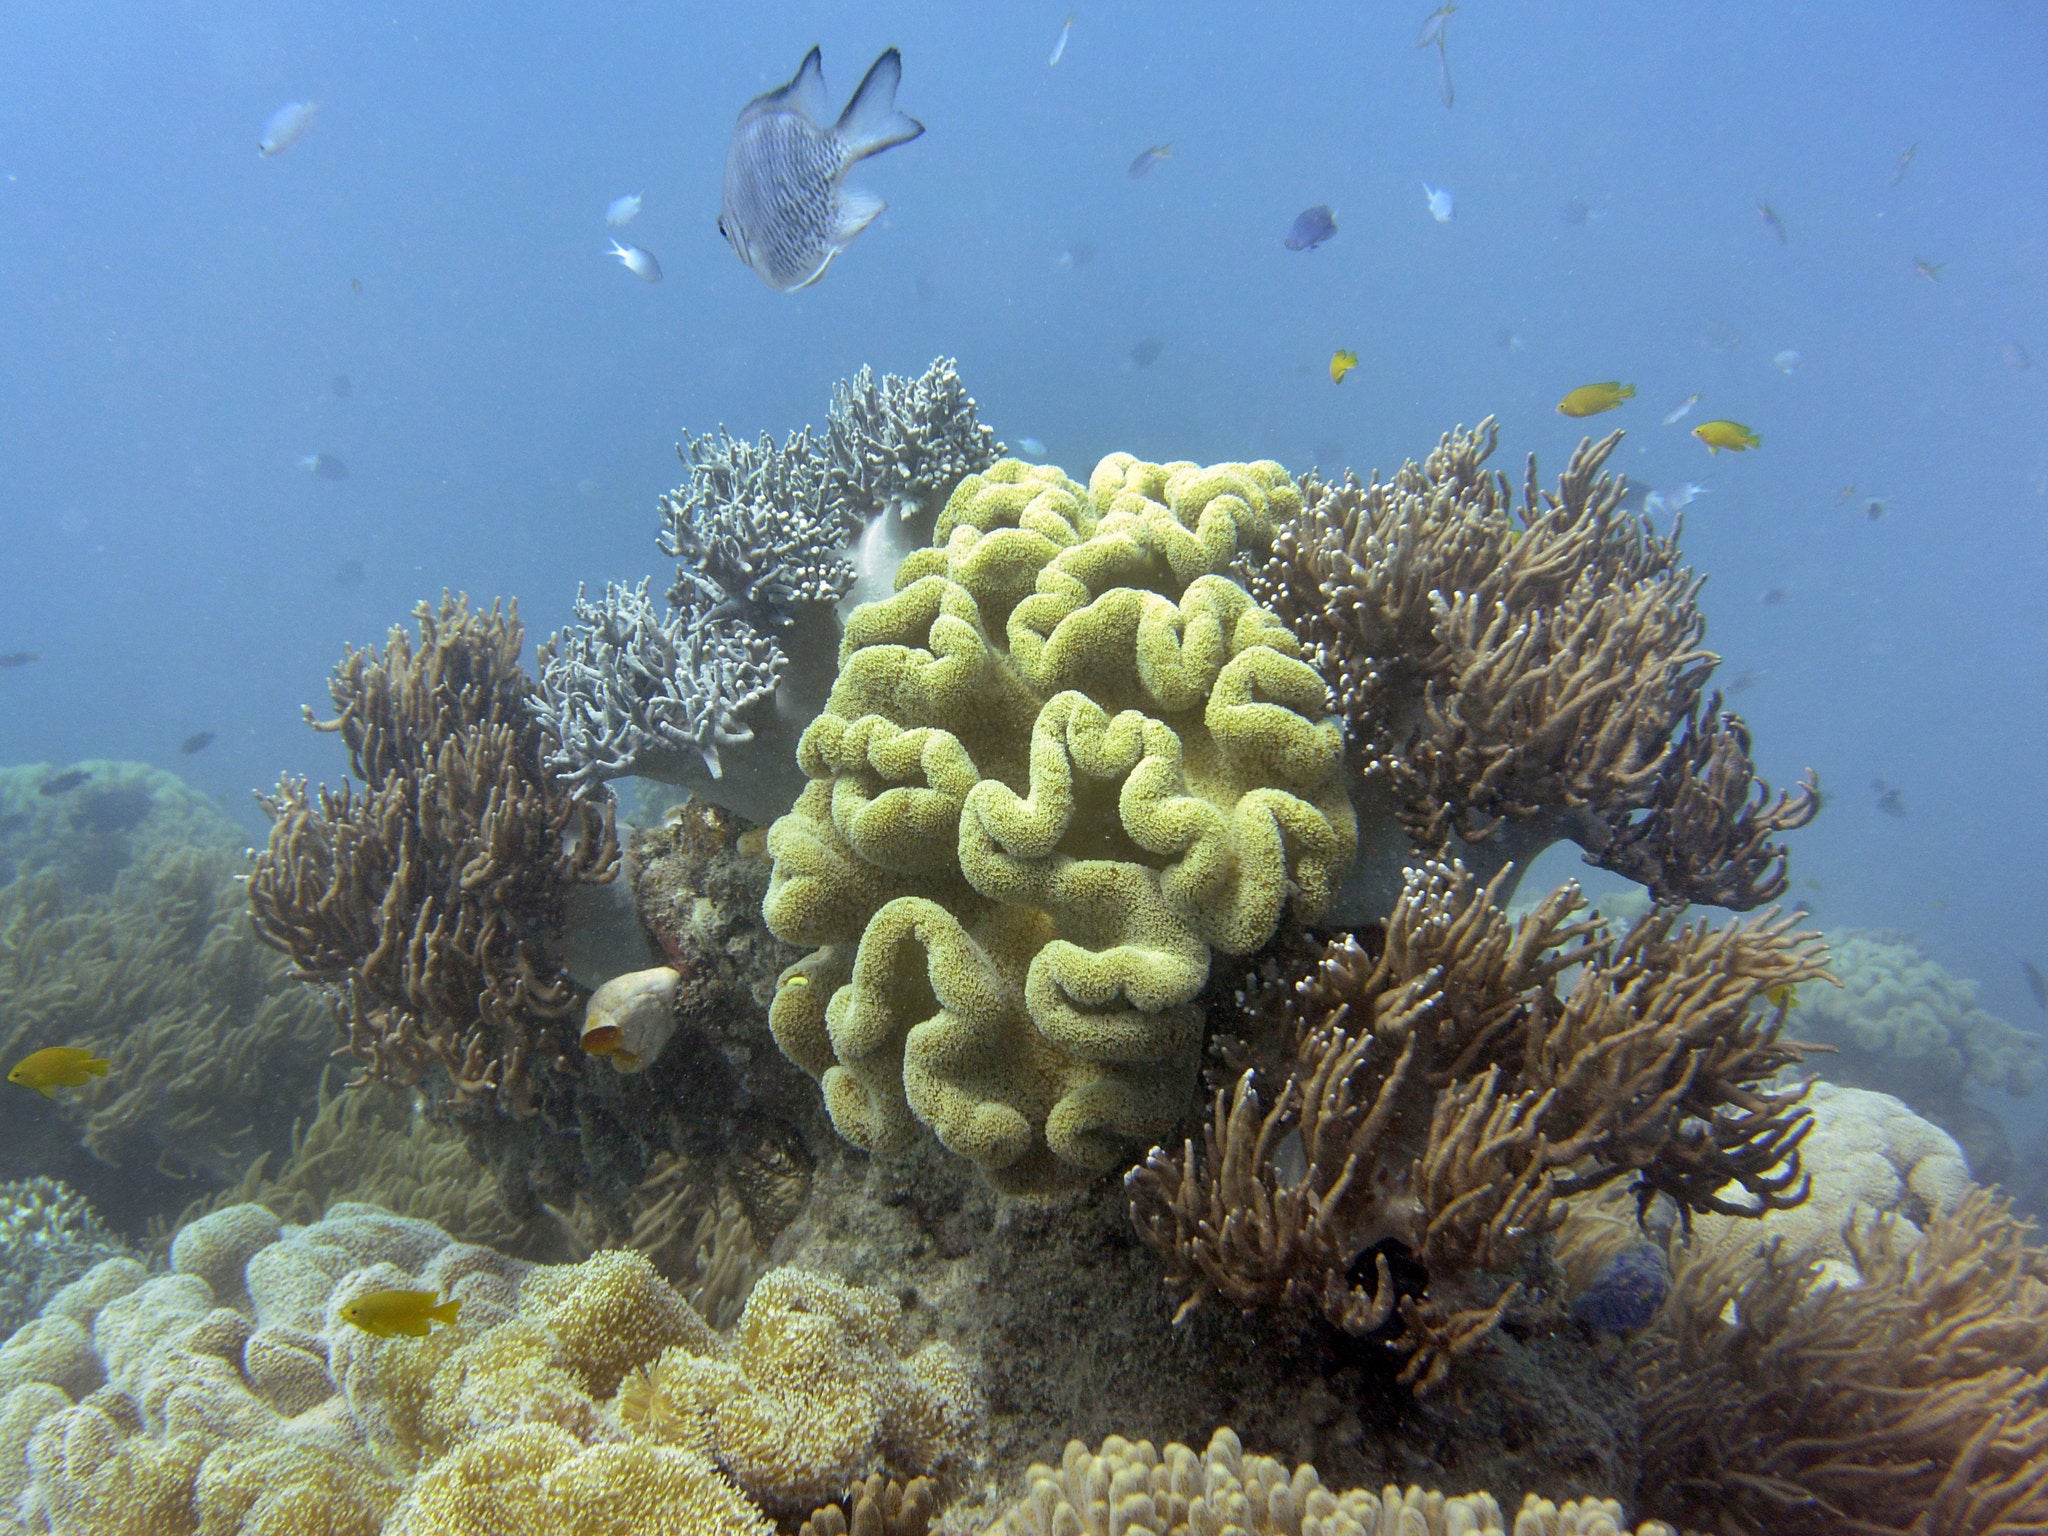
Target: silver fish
(1059,48)
(787,210)
(636,261)
(621,211)
(286,126)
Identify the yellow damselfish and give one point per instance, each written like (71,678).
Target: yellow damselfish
(1341,363)
(56,1066)
(1592,399)
(1782,995)
(387,1314)
(1732,435)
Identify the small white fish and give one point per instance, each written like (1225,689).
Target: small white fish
(1059,48)
(1678,412)
(1433,25)
(636,261)
(1787,361)
(1030,448)
(621,211)
(1441,207)
(286,126)
(1682,497)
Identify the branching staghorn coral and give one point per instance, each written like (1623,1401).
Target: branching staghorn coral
(769,539)
(49,1236)
(1776,1401)
(1129,1486)
(901,445)
(426,902)
(1065,762)
(1444,1092)
(1517,675)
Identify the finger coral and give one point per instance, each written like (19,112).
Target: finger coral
(1775,1400)
(426,903)
(1439,1094)
(1131,1487)
(769,538)
(1064,762)
(1514,676)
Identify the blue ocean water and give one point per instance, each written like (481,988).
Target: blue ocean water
(177,311)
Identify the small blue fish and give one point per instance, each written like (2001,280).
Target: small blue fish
(1627,1292)
(621,211)
(1312,226)
(285,127)
(787,210)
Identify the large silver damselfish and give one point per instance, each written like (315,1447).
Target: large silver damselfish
(787,210)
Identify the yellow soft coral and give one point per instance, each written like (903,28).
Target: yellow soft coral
(535,1480)
(609,1314)
(816,1394)
(273,1488)
(1061,765)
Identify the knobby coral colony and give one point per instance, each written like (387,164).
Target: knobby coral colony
(769,540)
(1516,676)
(425,902)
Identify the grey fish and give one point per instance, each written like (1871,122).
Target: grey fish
(2036,984)
(1146,352)
(324,465)
(1312,226)
(198,741)
(1148,159)
(787,210)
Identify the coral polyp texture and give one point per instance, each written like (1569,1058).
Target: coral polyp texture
(230,1395)
(1517,675)
(1777,1400)
(1130,1488)
(1417,1108)
(769,539)
(1062,764)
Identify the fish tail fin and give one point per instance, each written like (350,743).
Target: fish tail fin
(96,1067)
(1626,392)
(447,1312)
(871,123)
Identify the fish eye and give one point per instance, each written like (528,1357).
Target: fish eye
(721,232)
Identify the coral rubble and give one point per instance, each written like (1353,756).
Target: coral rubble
(1060,766)
(1444,1090)
(769,539)
(1513,676)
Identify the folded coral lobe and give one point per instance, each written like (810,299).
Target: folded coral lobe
(1062,764)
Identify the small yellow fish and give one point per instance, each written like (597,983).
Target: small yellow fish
(1732,435)
(609,1042)
(1781,996)
(56,1066)
(387,1314)
(1592,399)
(1341,363)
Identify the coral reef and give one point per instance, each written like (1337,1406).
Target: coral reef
(122,930)
(229,1395)
(1775,1400)
(1902,1024)
(769,540)
(49,1236)
(1129,1487)
(877,1507)
(1514,676)
(1060,766)
(425,904)
(1446,1090)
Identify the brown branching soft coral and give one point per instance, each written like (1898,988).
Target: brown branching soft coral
(1515,675)
(878,1506)
(1917,1401)
(425,901)
(1441,1089)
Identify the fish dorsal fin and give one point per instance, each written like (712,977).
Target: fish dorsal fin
(871,123)
(805,92)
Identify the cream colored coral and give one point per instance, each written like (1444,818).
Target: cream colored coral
(1867,1152)
(53,1349)
(218,1246)
(816,1394)
(1130,1489)
(611,1313)
(301,1488)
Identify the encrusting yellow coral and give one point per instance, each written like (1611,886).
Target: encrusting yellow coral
(1130,1489)
(1061,765)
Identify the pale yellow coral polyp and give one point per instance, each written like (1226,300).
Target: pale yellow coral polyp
(1064,762)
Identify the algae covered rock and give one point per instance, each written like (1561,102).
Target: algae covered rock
(1065,762)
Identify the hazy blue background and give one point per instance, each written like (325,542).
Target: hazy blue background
(173,309)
